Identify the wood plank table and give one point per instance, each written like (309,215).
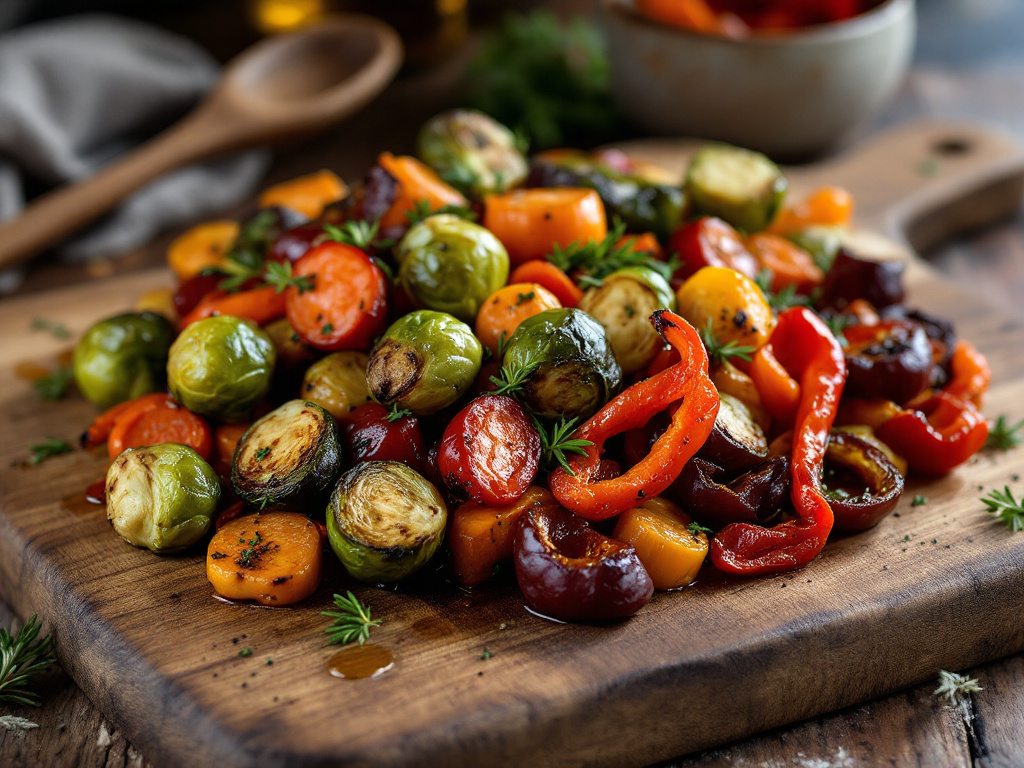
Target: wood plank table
(908,728)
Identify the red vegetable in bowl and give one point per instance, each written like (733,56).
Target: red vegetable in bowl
(570,572)
(490,450)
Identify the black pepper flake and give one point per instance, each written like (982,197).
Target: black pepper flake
(217,555)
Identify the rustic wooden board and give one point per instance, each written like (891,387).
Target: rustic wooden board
(937,587)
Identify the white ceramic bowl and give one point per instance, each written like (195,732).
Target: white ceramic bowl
(789,95)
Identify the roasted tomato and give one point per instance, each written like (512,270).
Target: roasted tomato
(710,242)
(370,433)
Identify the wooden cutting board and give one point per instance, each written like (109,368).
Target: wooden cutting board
(939,586)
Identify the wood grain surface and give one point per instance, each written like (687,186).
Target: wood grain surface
(928,589)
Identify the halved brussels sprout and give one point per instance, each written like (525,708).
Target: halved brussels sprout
(123,357)
(162,497)
(573,370)
(385,521)
(221,367)
(451,265)
(337,382)
(289,459)
(471,151)
(424,362)
(738,185)
(622,304)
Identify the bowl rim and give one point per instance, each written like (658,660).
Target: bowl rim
(880,17)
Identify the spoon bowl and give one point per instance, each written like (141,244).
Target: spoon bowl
(279,88)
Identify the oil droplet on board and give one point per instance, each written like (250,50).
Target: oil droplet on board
(91,501)
(360,661)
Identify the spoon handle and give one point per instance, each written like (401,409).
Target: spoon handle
(57,214)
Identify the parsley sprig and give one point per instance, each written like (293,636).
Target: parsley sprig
(280,277)
(1006,508)
(352,621)
(1002,436)
(397,413)
(719,352)
(50,446)
(594,260)
(359,234)
(556,441)
(22,656)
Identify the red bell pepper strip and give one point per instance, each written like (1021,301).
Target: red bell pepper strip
(935,433)
(808,350)
(687,383)
(971,373)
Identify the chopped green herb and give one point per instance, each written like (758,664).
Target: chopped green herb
(50,446)
(245,653)
(397,413)
(359,234)
(511,379)
(422,209)
(279,276)
(327,330)
(629,311)
(595,260)
(352,622)
(486,654)
(524,297)
(780,300)
(262,453)
(57,330)
(1006,508)
(919,501)
(719,352)
(250,556)
(1002,436)
(55,385)
(556,441)
(696,528)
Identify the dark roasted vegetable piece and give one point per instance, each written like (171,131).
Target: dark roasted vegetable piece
(289,459)
(891,360)
(736,442)
(941,334)
(372,433)
(754,497)
(384,521)
(742,187)
(861,484)
(570,572)
(851,277)
(643,205)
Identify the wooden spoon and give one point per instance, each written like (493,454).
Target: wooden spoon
(278,88)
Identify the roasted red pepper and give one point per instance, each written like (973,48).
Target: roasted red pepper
(970,373)
(935,433)
(803,344)
(686,383)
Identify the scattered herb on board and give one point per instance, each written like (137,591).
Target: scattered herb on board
(352,621)
(1006,508)
(50,446)
(245,653)
(1002,436)
(919,501)
(954,688)
(557,440)
(22,656)
(547,81)
(719,352)
(57,330)
(55,385)
(486,654)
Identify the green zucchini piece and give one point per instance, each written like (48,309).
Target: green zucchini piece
(742,187)
(385,521)
(289,459)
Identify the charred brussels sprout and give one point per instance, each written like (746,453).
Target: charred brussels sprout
(385,521)
(451,265)
(289,459)
(337,382)
(122,358)
(162,497)
(742,187)
(221,367)
(644,206)
(471,151)
(565,362)
(424,362)
(622,304)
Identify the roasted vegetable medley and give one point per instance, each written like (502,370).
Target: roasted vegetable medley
(571,362)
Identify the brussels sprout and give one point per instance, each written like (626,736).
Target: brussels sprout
(123,357)
(644,206)
(424,362)
(221,367)
(162,497)
(337,382)
(451,265)
(471,151)
(823,243)
(288,459)
(742,187)
(572,369)
(622,304)
(385,521)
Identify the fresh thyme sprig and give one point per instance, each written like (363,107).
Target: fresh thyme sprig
(280,277)
(594,260)
(1006,508)
(1002,436)
(359,234)
(557,440)
(22,656)
(512,378)
(55,385)
(720,353)
(50,446)
(352,621)
(421,209)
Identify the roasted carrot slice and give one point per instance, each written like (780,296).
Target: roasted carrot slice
(480,536)
(347,306)
(824,207)
(159,419)
(99,430)
(789,263)
(507,307)
(273,558)
(205,245)
(417,183)
(261,305)
(225,439)
(308,194)
(551,277)
(531,222)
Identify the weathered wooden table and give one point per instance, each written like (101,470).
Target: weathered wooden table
(909,728)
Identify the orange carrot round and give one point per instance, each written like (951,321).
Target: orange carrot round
(790,264)
(503,311)
(205,245)
(159,419)
(273,558)
(531,222)
(261,305)
(545,273)
(416,182)
(99,430)
(308,194)
(825,207)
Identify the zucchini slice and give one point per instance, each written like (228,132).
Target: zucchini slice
(289,459)
(385,521)
(743,187)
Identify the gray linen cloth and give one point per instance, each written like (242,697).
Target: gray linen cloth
(76,93)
